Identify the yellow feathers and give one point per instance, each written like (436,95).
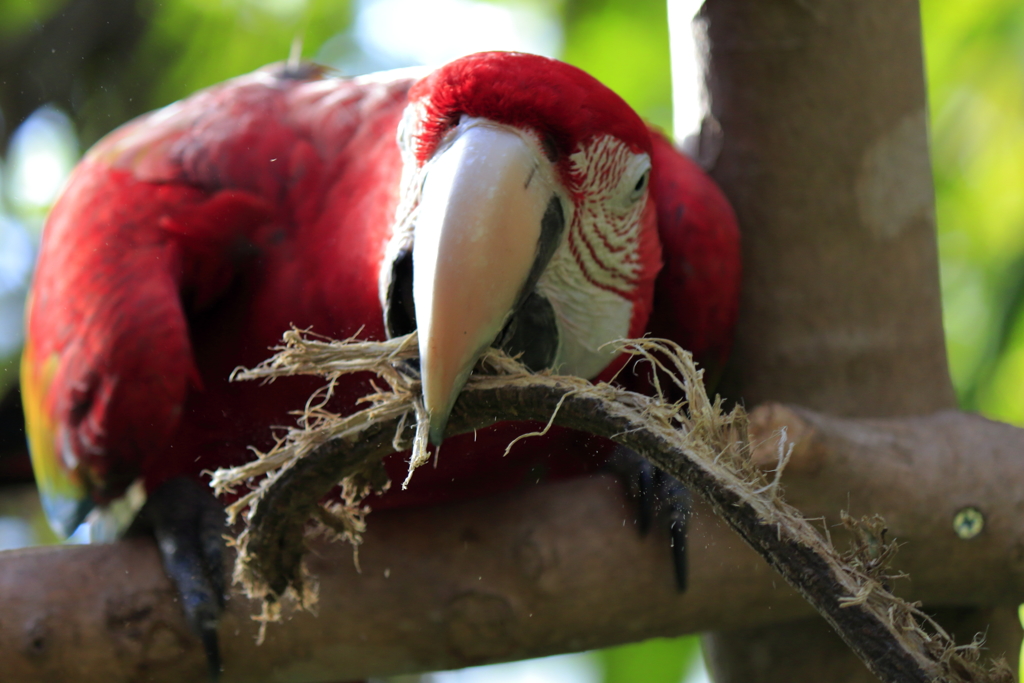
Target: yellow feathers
(61,489)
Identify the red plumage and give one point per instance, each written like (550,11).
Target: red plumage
(188,240)
(696,295)
(565,105)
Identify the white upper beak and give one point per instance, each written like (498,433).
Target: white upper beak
(476,240)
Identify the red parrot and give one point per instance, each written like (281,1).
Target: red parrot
(504,199)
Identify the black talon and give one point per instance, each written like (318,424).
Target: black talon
(658,496)
(638,475)
(679,510)
(188,523)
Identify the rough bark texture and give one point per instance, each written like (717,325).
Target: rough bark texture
(550,569)
(547,569)
(824,154)
(713,466)
(825,159)
(918,473)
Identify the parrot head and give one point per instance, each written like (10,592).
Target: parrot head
(524,222)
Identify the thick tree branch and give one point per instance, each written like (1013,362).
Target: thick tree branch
(821,113)
(701,447)
(547,569)
(918,473)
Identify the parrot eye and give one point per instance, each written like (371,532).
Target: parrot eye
(642,182)
(641,185)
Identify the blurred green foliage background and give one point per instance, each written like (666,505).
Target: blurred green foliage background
(974,52)
(123,57)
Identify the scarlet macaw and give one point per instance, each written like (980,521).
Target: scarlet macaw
(504,199)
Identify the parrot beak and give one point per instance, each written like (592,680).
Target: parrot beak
(478,236)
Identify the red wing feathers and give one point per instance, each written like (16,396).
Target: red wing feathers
(107,306)
(696,296)
(185,243)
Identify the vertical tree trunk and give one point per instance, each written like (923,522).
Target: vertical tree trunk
(816,127)
(825,158)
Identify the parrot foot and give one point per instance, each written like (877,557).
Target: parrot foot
(660,500)
(188,524)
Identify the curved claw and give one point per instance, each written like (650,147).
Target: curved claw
(188,523)
(679,510)
(637,475)
(659,497)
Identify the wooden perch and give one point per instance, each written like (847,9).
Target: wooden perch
(547,569)
(701,446)
(820,114)
(823,111)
